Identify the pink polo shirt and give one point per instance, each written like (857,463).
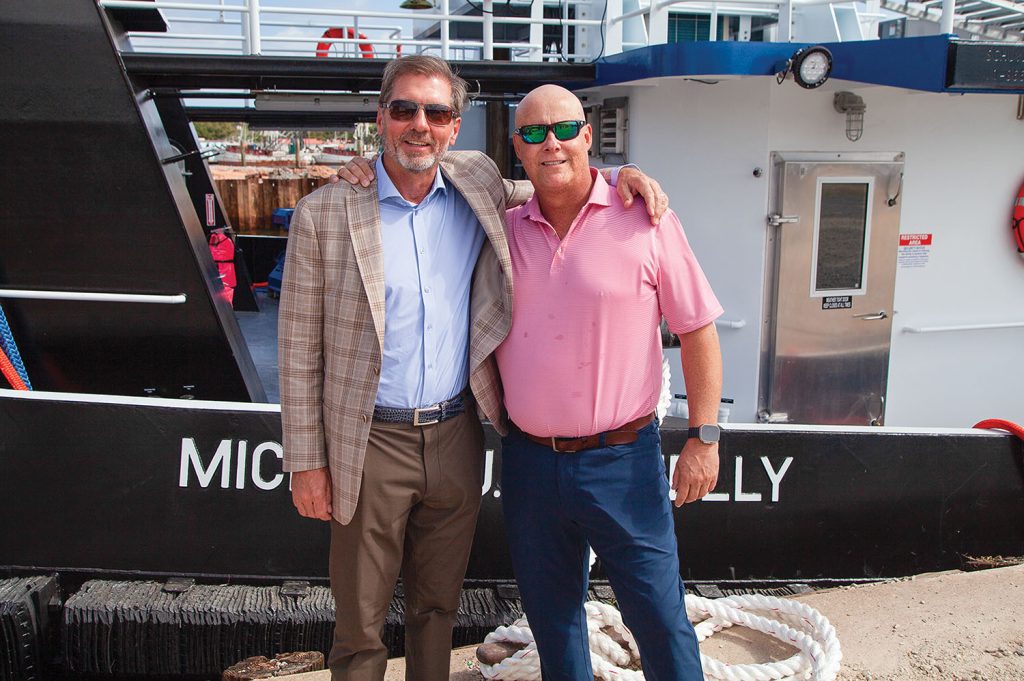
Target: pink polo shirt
(584,352)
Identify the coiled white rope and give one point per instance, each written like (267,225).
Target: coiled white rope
(614,655)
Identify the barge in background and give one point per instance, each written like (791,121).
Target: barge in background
(147,534)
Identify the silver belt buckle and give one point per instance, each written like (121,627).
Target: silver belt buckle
(416,415)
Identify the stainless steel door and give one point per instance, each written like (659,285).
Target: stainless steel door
(835,232)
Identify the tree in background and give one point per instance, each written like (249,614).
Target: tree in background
(217,131)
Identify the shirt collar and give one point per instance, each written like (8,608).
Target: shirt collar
(386,189)
(600,195)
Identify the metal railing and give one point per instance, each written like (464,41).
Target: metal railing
(243,28)
(963,327)
(94,296)
(599,27)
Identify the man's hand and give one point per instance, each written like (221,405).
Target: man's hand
(631,181)
(697,468)
(696,471)
(356,171)
(311,493)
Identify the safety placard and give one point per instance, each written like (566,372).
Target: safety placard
(837,302)
(211,218)
(915,250)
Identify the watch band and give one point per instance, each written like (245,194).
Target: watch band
(708,433)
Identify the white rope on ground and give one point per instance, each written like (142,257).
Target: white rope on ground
(614,655)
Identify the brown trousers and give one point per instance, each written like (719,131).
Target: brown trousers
(417,512)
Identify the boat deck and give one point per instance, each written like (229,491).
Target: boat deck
(260,332)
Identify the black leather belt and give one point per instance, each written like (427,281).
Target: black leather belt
(423,416)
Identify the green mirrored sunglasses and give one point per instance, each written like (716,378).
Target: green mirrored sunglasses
(564,130)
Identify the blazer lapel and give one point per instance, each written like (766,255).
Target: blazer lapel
(364,227)
(482,204)
(491,303)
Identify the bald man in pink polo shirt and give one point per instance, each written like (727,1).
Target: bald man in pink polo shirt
(581,368)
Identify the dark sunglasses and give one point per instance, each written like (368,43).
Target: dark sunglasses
(404,110)
(564,131)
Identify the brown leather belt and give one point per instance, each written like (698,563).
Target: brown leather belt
(623,435)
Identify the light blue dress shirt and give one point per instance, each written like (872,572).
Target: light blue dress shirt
(430,250)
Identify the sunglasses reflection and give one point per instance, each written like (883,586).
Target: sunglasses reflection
(564,131)
(405,110)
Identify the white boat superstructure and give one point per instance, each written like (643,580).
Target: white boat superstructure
(856,229)
(458,29)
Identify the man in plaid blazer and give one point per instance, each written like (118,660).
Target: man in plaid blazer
(380,430)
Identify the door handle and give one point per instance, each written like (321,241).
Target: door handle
(869,316)
(777,220)
(877,420)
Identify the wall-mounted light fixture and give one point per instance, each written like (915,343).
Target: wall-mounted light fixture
(853,106)
(810,66)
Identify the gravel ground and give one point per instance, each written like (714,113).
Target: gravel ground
(955,626)
(952,626)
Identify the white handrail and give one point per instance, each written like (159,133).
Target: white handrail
(91,296)
(251,13)
(740,6)
(391,41)
(189,36)
(731,323)
(770,3)
(948,15)
(487,10)
(643,11)
(163,4)
(255,44)
(445,32)
(252,24)
(285,24)
(963,327)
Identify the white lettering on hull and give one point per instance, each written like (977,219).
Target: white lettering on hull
(257,463)
(489,473)
(248,467)
(191,460)
(774,476)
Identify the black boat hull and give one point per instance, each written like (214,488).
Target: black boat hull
(106,486)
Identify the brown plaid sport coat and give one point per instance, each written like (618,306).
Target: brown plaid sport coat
(331,318)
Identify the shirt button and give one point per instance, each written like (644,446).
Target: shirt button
(363,417)
(426,289)
(376,370)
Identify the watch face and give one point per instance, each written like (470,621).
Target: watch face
(709,433)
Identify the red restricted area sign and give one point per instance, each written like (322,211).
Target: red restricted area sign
(915,239)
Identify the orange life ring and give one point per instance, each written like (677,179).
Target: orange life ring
(324,49)
(1018,220)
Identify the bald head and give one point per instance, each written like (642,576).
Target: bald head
(558,164)
(546,99)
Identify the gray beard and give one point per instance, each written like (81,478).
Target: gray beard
(413,165)
(418,164)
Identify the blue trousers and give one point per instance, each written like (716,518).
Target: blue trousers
(616,500)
